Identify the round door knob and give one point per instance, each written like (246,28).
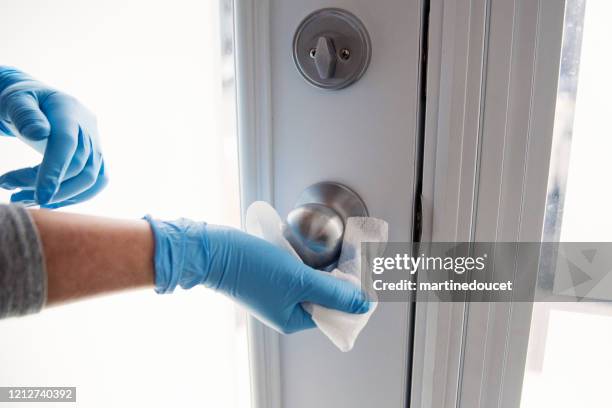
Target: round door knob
(315,227)
(315,232)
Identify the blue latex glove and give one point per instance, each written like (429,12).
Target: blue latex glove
(268,281)
(60,127)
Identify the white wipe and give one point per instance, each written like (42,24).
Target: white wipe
(341,328)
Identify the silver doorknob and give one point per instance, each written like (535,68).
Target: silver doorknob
(315,227)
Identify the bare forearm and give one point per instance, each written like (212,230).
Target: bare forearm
(87,255)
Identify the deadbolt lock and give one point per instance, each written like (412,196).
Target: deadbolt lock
(331,48)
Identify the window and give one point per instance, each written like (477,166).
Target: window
(160,78)
(569,357)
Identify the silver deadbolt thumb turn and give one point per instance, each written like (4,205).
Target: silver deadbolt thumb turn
(325,57)
(315,227)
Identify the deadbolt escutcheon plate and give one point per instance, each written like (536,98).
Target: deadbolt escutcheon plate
(331,48)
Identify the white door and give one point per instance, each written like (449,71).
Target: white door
(365,136)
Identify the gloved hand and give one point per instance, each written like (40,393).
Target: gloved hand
(270,282)
(60,127)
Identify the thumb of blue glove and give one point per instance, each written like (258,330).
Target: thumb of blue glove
(268,281)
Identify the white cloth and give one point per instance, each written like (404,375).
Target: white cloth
(341,328)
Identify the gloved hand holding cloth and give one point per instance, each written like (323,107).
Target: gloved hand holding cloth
(341,328)
(270,282)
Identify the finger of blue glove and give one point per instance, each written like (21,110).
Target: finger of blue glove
(80,183)
(299,320)
(61,147)
(24,197)
(4,130)
(28,197)
(81,156)
(24,178)
(98,186)
(24,112)
(66,195)
(331,292)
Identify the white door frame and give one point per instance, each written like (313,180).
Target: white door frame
(252,45)
(492,81)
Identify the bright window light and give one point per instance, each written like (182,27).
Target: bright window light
(568,359)
(159,76)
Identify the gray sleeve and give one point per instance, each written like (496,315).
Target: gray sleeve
(23,279)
